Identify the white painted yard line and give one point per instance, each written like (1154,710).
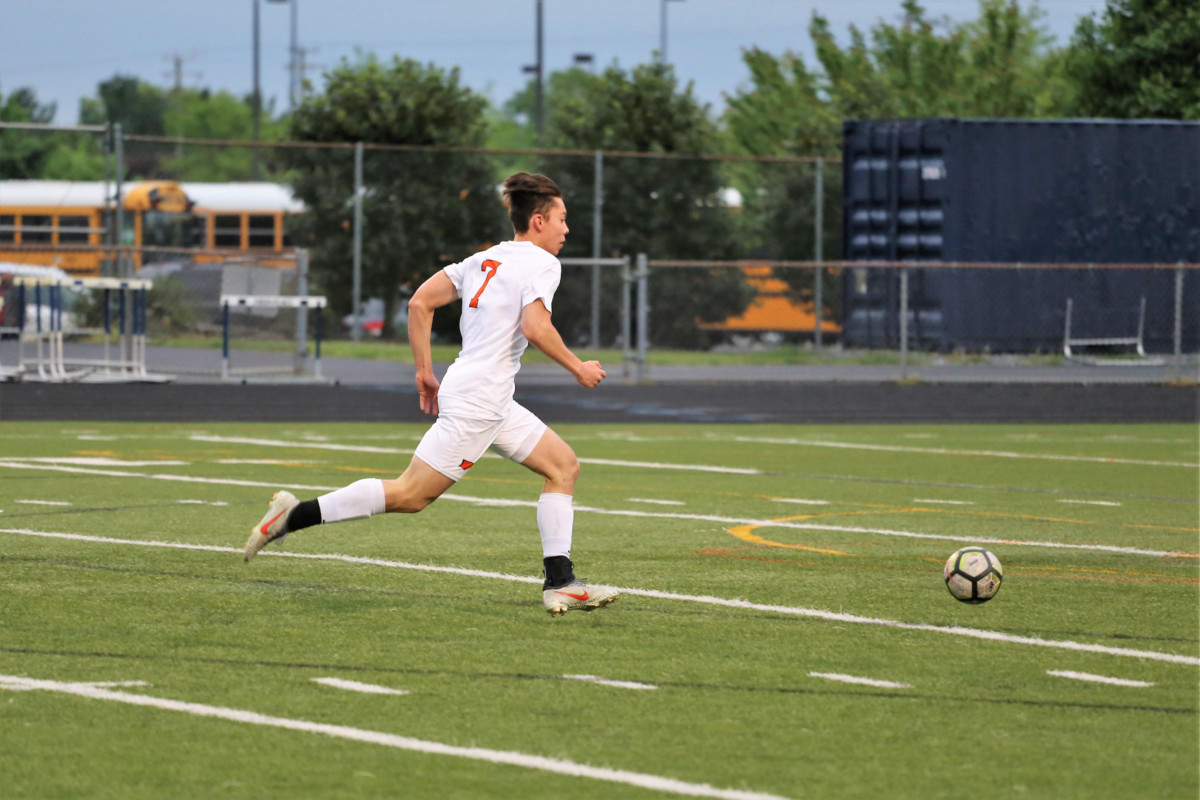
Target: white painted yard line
(112,684)
(43,502)
(266,462)
(502,502)
(158,476)
(608,462)
(892,448)
(555,765)
(831,616)
(91,461)
(355,686)
(943,502)
(302,444)
(653,502)
(367,449)
(835,676)
(799,501)
(1087,676)
(607,682)
(1091,502)
(202,502)
(18,687)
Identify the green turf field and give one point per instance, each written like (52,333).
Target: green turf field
(783,631)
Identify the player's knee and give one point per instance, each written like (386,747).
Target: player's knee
(566,470)
(407,503)
(402,498)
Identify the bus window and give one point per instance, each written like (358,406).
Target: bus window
(35,228)
(161,229)
(200,232)
(227,230)
(7,230)
(262,231)
(73,230)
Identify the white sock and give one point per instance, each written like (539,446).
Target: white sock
(556,519)
(359,499)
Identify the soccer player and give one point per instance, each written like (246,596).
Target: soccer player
(507,293)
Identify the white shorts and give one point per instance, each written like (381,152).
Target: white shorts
(454,444)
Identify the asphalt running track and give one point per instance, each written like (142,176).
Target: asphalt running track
(731,400)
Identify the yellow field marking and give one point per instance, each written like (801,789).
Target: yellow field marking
(746,534)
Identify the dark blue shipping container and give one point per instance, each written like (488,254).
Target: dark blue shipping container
(1069,191)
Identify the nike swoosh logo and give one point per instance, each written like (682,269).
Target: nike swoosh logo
(580,597)
(269,523)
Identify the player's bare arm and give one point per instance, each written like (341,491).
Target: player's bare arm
(434,293)
(537,327)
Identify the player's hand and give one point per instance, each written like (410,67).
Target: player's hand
(590,374)
(427,388)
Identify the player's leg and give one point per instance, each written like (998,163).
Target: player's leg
(435,467)
(528,441)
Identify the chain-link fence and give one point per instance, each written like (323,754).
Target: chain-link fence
(737,253)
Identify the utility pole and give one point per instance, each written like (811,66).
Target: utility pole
(662,31)
(538,113)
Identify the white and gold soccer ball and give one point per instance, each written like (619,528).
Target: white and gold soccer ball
(973,575)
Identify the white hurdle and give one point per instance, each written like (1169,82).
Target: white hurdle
(245,375)
(49,362)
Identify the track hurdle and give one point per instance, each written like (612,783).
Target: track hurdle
(46,333)
(296,373)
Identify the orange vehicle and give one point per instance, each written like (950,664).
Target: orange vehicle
(72,225)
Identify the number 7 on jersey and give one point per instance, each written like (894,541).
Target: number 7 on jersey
(490,268)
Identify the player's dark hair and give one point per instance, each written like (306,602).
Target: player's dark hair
(526,194)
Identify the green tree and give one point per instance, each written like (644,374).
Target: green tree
(661,203)
(138,106)
(201,114)
(421,207)
(1001,64)
(23,154)
(1140,60)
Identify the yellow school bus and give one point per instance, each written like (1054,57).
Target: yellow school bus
(72,225)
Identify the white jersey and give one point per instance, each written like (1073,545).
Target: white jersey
(495,286)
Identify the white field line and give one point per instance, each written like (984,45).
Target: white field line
(607,682)
(799,501)
(303,445)
(267,462)
(42,502)
(653,502)
(94,461)
(355,686)
(891,448)
(555,765)
(835,676)
(202,502)
(393,451)
(13,687)
(500,502)
(1092,502)
(1087,676)
(609,462)
(814,613)
(943,502)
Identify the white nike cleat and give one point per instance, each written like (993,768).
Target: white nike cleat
(577,596)
(273,526)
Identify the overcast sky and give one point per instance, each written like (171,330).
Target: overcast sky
(64,48)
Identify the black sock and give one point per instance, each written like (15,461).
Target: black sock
(305,515)
(558,571)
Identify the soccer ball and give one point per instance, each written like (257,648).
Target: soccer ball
(973,575)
